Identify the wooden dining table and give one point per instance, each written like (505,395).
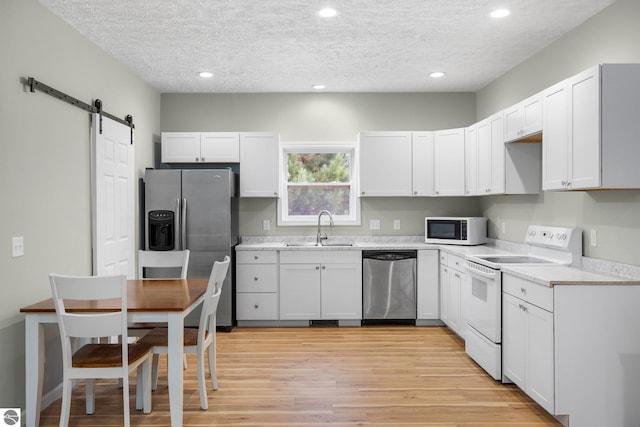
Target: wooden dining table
(148,300)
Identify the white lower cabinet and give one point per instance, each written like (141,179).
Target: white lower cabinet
(527,338)
(256,285)
(428,293)
(320,285)
(452,281)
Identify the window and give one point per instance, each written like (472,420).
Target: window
(315,178)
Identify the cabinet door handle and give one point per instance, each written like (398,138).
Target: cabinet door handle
(255,279)
(324,267)
(457,275)
(255,257)
(317,267)
(256,306)
(522,307)
(523,290)
(197,159)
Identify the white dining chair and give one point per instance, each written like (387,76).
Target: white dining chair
(200,340)
(98,360)
(164,260)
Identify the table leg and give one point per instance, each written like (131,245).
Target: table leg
(175,375)
(34,369)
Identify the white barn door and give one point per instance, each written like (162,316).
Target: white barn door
(112,198)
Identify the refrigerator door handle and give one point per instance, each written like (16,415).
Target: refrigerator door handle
(178,222)
(183,224)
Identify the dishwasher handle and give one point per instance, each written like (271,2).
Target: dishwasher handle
(389,255)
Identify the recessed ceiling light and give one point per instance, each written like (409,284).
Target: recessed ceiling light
(318,87)
(500,13)
(328,12)
(437,74)
(205,74)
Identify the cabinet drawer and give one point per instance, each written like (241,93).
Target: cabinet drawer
(256,306)
(455,261)
(256,278)
(256,257)
(541,296)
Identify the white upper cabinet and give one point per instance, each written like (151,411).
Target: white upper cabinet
(524,120)
(199,147)
(490,152)
(259,164)
(385,164)
(471,160)
(589,129)
(449,162)
(422,164)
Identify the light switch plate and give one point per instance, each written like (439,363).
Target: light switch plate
(396,224)
(266,225)
(17,246)
(594,238)
(374,224)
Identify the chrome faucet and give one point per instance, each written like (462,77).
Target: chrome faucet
(319,236)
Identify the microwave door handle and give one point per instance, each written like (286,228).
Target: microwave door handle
(184,224)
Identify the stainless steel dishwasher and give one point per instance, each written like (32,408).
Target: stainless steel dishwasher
(389,285)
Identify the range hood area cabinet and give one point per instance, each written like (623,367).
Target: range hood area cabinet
(523,121)
(590,129)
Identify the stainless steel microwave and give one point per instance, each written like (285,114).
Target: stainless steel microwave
(455,230)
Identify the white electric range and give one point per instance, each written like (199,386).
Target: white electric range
(483,306)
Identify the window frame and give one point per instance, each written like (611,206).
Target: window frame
(318,147)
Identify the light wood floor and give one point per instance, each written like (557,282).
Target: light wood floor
(370,376)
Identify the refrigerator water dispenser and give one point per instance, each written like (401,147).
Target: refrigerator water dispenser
(161,231)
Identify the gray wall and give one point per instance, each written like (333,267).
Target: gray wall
(329,117)
(611,36)
(44,165)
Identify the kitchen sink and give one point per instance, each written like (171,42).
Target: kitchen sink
(313,244)
(307,244)
(337,244)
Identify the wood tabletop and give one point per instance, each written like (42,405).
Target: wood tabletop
(143,295)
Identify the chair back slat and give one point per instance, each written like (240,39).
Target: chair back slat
(212,295)
(163,259)
(96,325)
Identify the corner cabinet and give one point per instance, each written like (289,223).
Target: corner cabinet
(259,165)
(448,153)
(320,285)
(523,121)
(385,159)
(589,129)
(200,147)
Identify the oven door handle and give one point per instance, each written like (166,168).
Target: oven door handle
(479,273)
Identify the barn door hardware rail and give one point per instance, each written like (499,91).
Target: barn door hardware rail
(35,85)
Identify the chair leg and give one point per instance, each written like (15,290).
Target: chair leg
(125,398)
(90,396)
(65,410)
(154,371)
(211,351)
(202,385)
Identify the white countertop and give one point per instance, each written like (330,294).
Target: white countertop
(553,275)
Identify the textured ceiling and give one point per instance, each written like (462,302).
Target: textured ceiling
(284,46)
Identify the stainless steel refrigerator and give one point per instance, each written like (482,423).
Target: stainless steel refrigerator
(196,210)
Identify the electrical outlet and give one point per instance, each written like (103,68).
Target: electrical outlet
(503,227)
(396,224)
(17,246)
(594,238)
(374,224)
(266,224)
